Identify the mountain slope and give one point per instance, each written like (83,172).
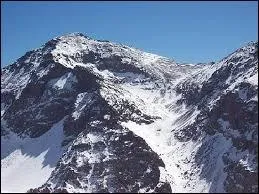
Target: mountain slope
(129,121)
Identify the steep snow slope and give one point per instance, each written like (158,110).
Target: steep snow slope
(132,121)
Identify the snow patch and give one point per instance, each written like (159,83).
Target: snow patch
(64,82)
(253,79)
(83,101)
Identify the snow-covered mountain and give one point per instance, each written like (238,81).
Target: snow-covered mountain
(85,115)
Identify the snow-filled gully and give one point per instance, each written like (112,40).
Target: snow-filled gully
(176,155)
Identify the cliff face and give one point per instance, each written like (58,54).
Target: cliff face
(95,116)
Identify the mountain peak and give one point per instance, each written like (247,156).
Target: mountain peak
(76,34)
(73,34)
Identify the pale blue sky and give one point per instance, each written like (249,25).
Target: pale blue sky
(189,32)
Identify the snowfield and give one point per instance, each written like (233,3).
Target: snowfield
(28,163)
